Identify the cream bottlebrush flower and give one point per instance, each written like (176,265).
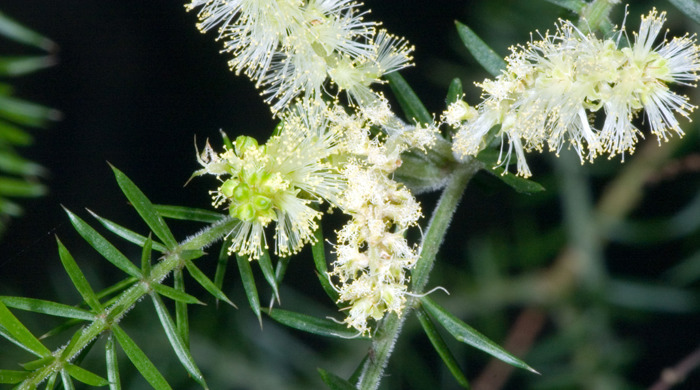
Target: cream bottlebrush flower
(552,89)
(277,182)
(290,48)
(643,84)
(373,256)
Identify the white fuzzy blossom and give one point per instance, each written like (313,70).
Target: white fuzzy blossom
(292,48)
(373,255)
(553,88)
(277,182)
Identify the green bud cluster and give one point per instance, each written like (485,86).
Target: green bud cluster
(251,189)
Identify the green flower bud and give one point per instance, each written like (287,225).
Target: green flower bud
(244,143)
(261,203)
(244,212)
(228,187)
(241,193)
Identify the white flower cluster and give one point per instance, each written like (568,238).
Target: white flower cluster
(373,255)
(292,47)
(552,89)
(278,181)
(300,52)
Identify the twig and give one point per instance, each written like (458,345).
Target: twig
(672,376)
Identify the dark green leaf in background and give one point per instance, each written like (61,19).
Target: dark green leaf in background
(484,55)
(140,360)
(469,335)
(311,324)
(441,347)
(251,291)
(334,382)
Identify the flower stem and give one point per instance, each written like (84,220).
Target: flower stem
(384,340)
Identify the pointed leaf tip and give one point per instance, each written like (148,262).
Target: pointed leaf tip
(468,335)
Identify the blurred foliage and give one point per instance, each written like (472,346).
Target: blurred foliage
(594,282)
(19,177)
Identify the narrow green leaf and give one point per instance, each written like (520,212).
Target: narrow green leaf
(38,363)
(521,185)
(684,272)
(181,350)
(51,383)
(146,256)
(117,288)
(188,213)
(484,55)
(411,105)
(82,375)
(268,272)
(61,328)
(11,377)
(175,294)
(181,316)
(227,140)
(307,323)
(651,297)
(21,188)
(205,282)
(19,66)
(18,33)
(454,92)
(127,234)
(140,360)
(14,135)
(145,209)
(20,333)
(355,377)
(469,335)
(77,277)
(67,381)
(281,269)
(441,348)
(112,364)
(249,285)
(10,208)
(47,307)
(26,113)
(690,8)
(318,251)
(222,264)
(572,5)
(335,382)
(17,165)
(4,333)
(102,246)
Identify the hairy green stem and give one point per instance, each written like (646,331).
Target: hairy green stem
(595,15)
(383,343)
(114,313)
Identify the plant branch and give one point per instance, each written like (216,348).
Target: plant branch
(672,376)
(113,314)
(383,343)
